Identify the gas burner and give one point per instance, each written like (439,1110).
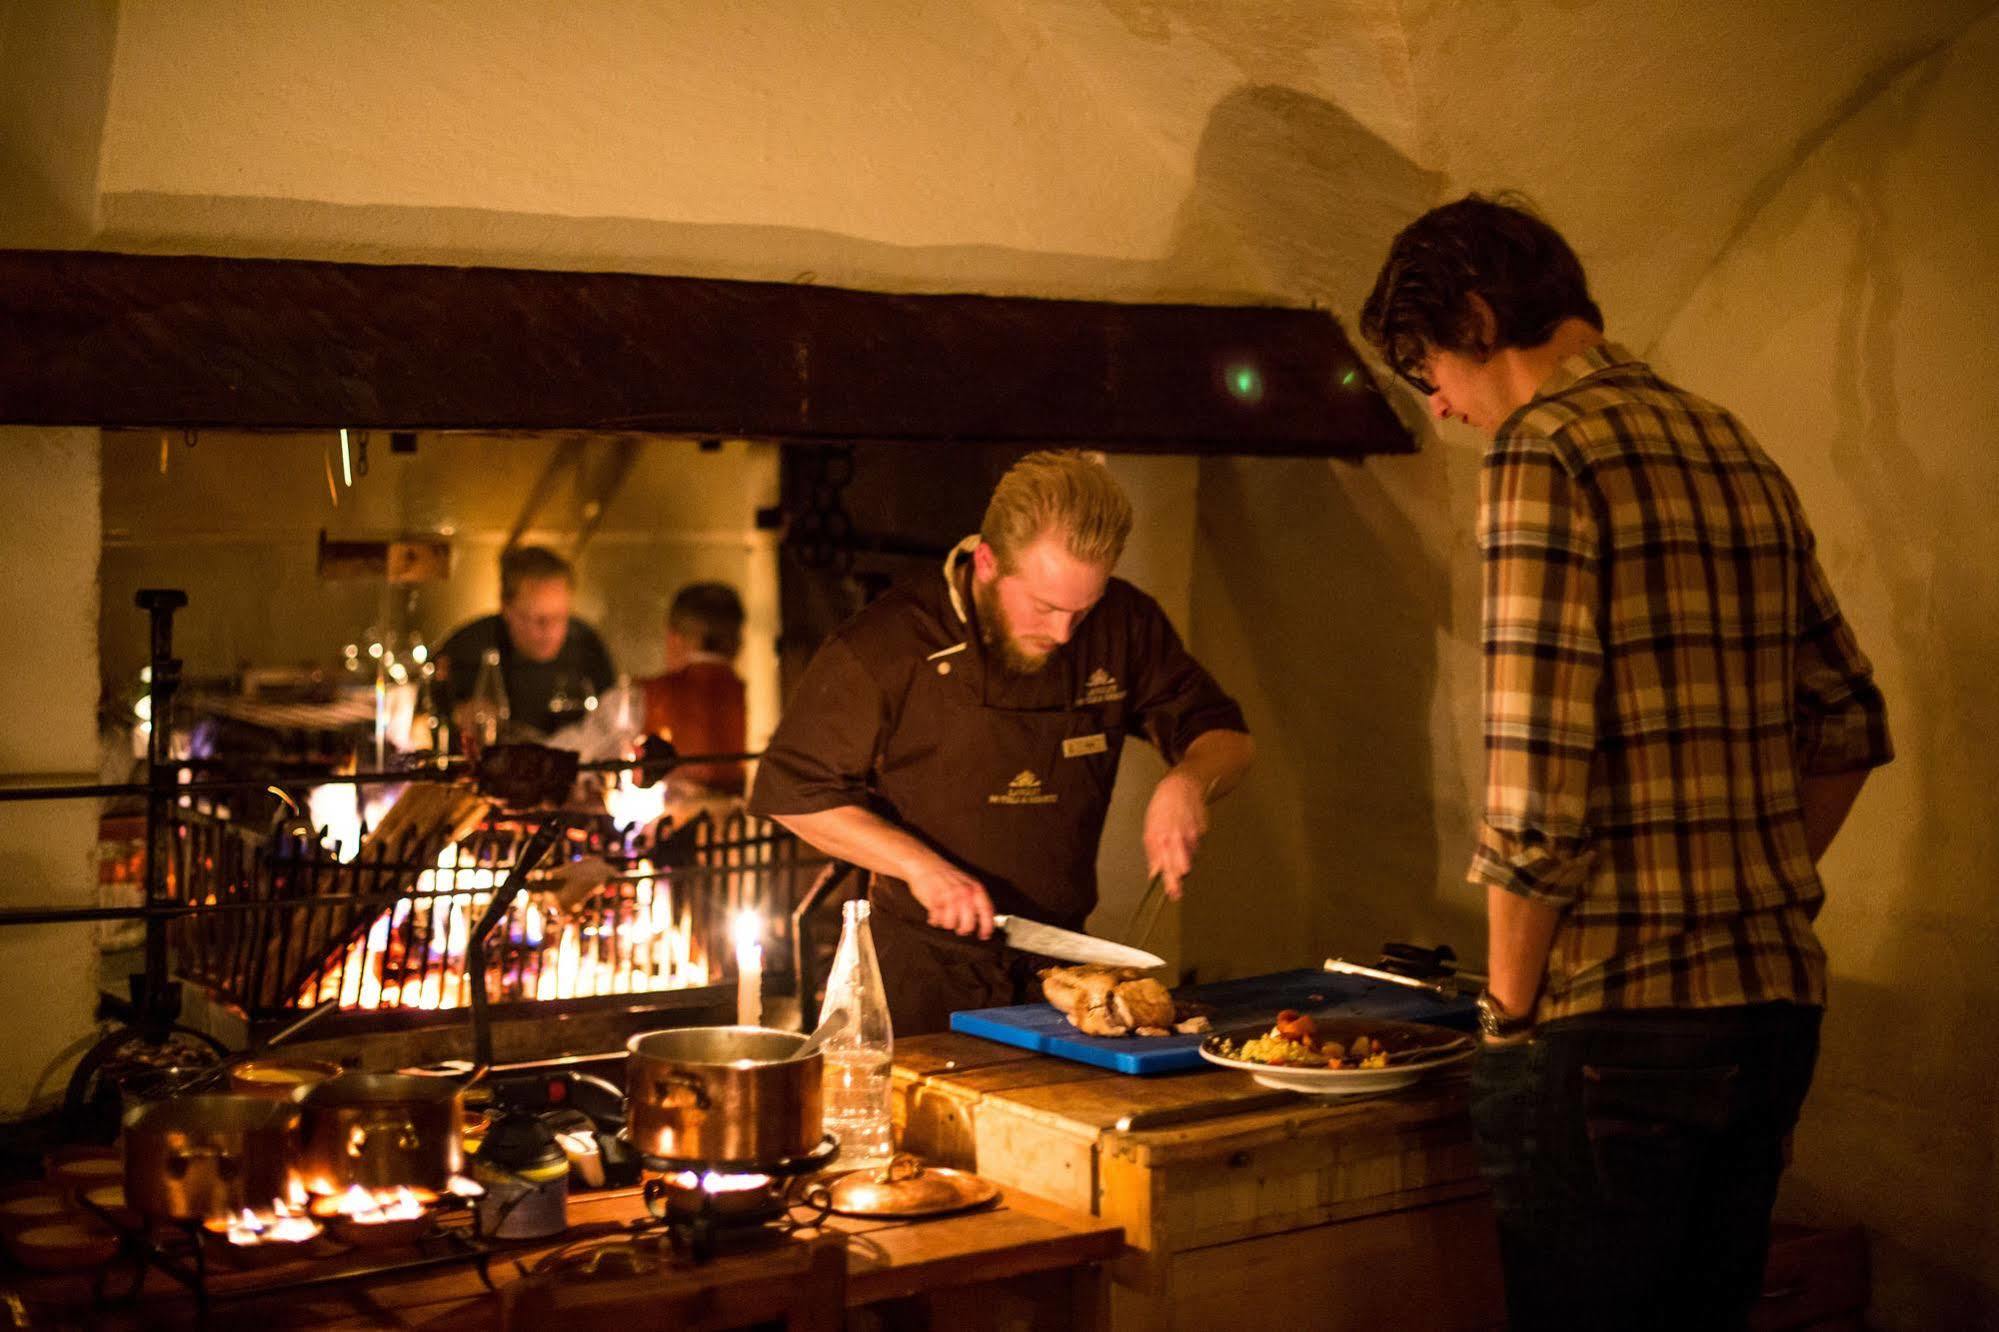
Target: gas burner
(806,1163)
(703,1204)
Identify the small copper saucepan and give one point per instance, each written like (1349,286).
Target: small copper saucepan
(190,1158)
(723,1094)
(381,1130)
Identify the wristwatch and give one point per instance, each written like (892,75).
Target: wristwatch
(1495,1023)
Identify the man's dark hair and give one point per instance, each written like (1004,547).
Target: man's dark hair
(1496,248)
(518,564)
(708,615)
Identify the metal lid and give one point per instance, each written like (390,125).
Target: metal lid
(907,1187)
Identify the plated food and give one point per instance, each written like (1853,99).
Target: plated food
(1336,1056)
(1117,1001)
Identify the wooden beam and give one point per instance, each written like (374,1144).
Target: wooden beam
(104,339)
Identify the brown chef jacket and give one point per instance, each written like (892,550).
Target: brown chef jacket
(1008,776)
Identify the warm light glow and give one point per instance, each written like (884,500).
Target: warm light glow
(638,942)
(746,930)
(373,1209)
(714,1183)
(634,806)
(282,1224)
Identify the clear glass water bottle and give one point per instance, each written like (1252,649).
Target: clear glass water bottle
(489,711)
(858,1054)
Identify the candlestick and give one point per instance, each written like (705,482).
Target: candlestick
(748,931)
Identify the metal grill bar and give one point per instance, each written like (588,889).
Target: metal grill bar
(279,924)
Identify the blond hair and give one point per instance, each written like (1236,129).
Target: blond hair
(1066,492)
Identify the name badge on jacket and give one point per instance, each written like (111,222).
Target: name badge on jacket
(1079,746)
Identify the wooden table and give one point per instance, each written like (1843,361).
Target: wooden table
(1360,1214)
(1025,1264)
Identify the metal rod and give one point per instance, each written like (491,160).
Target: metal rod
(159,604)
(538,844)
(215,786)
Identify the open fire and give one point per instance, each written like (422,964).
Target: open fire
(376,1207)
(632,937)
(281,1224)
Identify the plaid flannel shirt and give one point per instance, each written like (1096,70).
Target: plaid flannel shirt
(1664,662)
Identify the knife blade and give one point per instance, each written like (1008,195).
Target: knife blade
(1032,936)
(1441,989)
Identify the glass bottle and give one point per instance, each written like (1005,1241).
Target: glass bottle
(858,1054)
(489,711)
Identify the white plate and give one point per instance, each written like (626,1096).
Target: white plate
(1442,1048)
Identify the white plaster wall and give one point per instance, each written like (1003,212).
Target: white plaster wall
(1158,558)
(48,696)
(1852,327)
(56,55)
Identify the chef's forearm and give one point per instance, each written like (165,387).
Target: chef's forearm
(1517,955)
(862,837)
(1216,761)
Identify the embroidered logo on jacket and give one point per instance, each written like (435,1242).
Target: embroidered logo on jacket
(1101,687)
(1023,790)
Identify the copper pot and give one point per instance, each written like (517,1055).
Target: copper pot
(380,1130)
(742,1095)
(281,1077)
(194,1157)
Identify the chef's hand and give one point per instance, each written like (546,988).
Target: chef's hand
(1175,822)
(955,900)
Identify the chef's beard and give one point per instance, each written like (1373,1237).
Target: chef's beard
(997,632)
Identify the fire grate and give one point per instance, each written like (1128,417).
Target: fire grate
(290,923)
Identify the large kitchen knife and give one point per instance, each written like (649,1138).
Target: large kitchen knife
(1031,936)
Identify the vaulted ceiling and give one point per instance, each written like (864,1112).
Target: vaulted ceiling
(1254,150)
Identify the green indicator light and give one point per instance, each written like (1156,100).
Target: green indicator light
(1348,379)
(1245,381)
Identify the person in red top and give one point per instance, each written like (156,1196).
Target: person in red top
(698,703)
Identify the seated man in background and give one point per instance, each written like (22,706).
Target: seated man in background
(698,703)
(552,663)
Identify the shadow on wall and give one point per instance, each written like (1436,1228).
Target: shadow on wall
(1322,594)
(1850,326)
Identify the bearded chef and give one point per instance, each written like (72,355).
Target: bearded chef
(959,738)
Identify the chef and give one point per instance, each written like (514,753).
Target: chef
(959,737)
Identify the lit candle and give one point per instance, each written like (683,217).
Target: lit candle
(748,930)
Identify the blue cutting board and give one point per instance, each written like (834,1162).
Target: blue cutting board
(1236,1003)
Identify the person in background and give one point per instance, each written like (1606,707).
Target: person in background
(552,663)
(959,739)
(698,702)
(1677,721)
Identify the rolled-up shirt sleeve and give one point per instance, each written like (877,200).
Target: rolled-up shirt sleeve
(824,749)
(1543,652)
(1175,701)
(1840,716)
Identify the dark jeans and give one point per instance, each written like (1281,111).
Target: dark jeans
(1634,1158)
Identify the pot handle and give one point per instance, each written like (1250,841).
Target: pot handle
(182,1159)
(679,1091)
(407,1138)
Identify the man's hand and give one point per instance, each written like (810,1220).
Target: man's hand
(1175,821)
(955,900)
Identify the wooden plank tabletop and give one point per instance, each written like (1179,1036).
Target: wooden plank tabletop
(1227,1104)
(1023,1235)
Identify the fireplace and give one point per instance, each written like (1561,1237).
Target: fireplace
(290,922)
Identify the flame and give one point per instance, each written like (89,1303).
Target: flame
(282,1224)
(367,1208)
(413,955)
(711,1182)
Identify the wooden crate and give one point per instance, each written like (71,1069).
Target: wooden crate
(1357,1215)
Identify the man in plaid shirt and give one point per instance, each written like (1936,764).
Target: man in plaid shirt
(1677,720)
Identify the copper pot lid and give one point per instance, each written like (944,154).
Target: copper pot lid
(909,1188)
